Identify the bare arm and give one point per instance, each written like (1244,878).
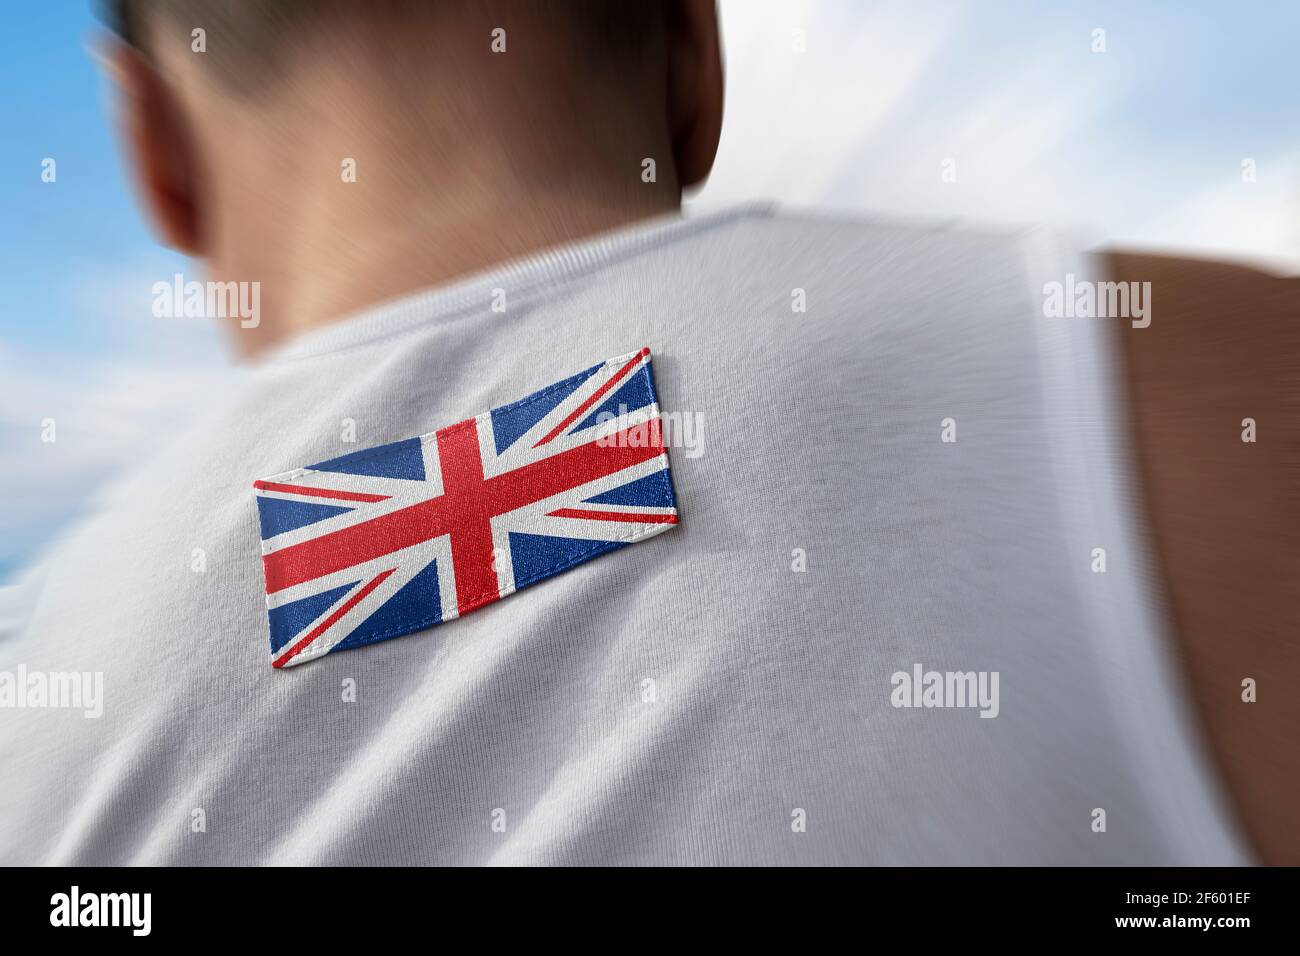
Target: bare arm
(1223,346)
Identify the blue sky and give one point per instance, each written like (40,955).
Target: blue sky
(75,343)
(54,106)
(1140,145)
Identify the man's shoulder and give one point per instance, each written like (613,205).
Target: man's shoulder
(841,277)
(867,238)
(1212,388)
(866,267)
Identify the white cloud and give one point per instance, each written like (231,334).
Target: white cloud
(862,120)
(794,121)
(1258,221)
(108,409)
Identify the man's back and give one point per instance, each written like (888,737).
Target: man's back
(887,463)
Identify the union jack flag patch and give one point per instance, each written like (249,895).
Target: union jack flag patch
(395,539)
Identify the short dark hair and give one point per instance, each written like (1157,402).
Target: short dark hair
(247,35)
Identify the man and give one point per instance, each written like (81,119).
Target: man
(909,612)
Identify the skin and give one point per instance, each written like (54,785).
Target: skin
(490,170)
(446,185)
(1224,345)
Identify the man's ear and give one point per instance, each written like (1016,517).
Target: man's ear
(159,146)
(694,88)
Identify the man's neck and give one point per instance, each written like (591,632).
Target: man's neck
(440,187)
(338,263)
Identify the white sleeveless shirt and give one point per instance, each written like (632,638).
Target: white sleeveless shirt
(897,484)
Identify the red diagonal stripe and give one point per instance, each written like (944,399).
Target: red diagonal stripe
(318,492)
(326,624)
(593,397)
(613,516)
